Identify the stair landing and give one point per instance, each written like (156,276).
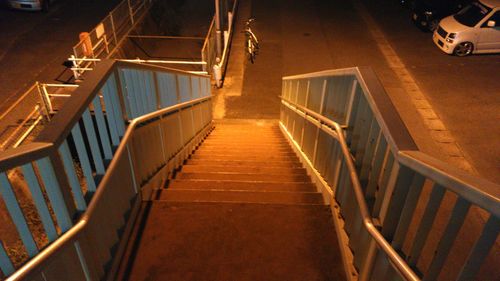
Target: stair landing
(242,208)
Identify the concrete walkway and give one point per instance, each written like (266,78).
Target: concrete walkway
(304,36)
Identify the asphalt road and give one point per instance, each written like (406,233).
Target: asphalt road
(464,92)
(33,45)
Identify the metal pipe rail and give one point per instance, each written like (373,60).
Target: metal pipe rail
(373,172)
(396,259)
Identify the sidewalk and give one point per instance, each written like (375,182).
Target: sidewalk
(304,36)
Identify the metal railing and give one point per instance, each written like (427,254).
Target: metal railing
(88,170)
(348,131)
(16,122)
(220,66)
(103,40)
(208,51)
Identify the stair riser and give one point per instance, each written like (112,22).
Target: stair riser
(243,169)
(242,197)
(289,164)
(245,177)
(262,158)
(244,153)
(240,185)
(215,146)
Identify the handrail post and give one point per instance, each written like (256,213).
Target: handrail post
(218,33)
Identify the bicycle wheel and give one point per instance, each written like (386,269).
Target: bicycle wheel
(249,50)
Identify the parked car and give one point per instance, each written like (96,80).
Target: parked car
(426,14)
(30,5)
(473,30)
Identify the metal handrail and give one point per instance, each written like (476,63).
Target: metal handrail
(399,262)
(207,37)
(71,234)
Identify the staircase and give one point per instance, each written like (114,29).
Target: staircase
(241,208)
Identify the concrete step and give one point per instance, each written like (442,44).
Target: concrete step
(231,241)
(241,185)
(244,177)
(245,162)
(263,169)
(241,196)
(256,147)
(244,157)
(242,152)
(245,142)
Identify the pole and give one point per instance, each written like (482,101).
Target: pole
(218,33)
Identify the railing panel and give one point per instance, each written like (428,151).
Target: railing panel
(39,200)
(91,136)
(167,84)
(337,95)
(316,87)
(102,129)
(70,170)
(113,110)
(83,158)
(184,85)
(195,88)
(448,238)
(17,215)
(187,124)
(54,193)
(6,266)
(435,199)
(480,250)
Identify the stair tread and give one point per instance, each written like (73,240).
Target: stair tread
(245,162)
(208,167)
(241,185)
(244,157)
(241,196)
(224,241)
(243,176)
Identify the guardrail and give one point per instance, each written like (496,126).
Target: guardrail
(208,51)
(220,66)
(103,40)
(357,148)
(88,171)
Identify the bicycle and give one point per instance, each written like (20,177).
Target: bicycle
(252,43)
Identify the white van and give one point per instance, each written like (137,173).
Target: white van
(473,30)
(30,5)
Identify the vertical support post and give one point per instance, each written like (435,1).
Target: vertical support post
(131,13)
(58,189)
(17,215)
(351,102)
(113,28)
(6,266)
(76,74)
(218,33)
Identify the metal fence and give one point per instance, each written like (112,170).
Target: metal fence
(399,213)
(127,127)
(208,51)
(107,35)
(24,119)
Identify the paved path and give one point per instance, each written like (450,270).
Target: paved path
(304,36)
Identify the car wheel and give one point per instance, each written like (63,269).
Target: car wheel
(45,5)
(463,49)
(433,25)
